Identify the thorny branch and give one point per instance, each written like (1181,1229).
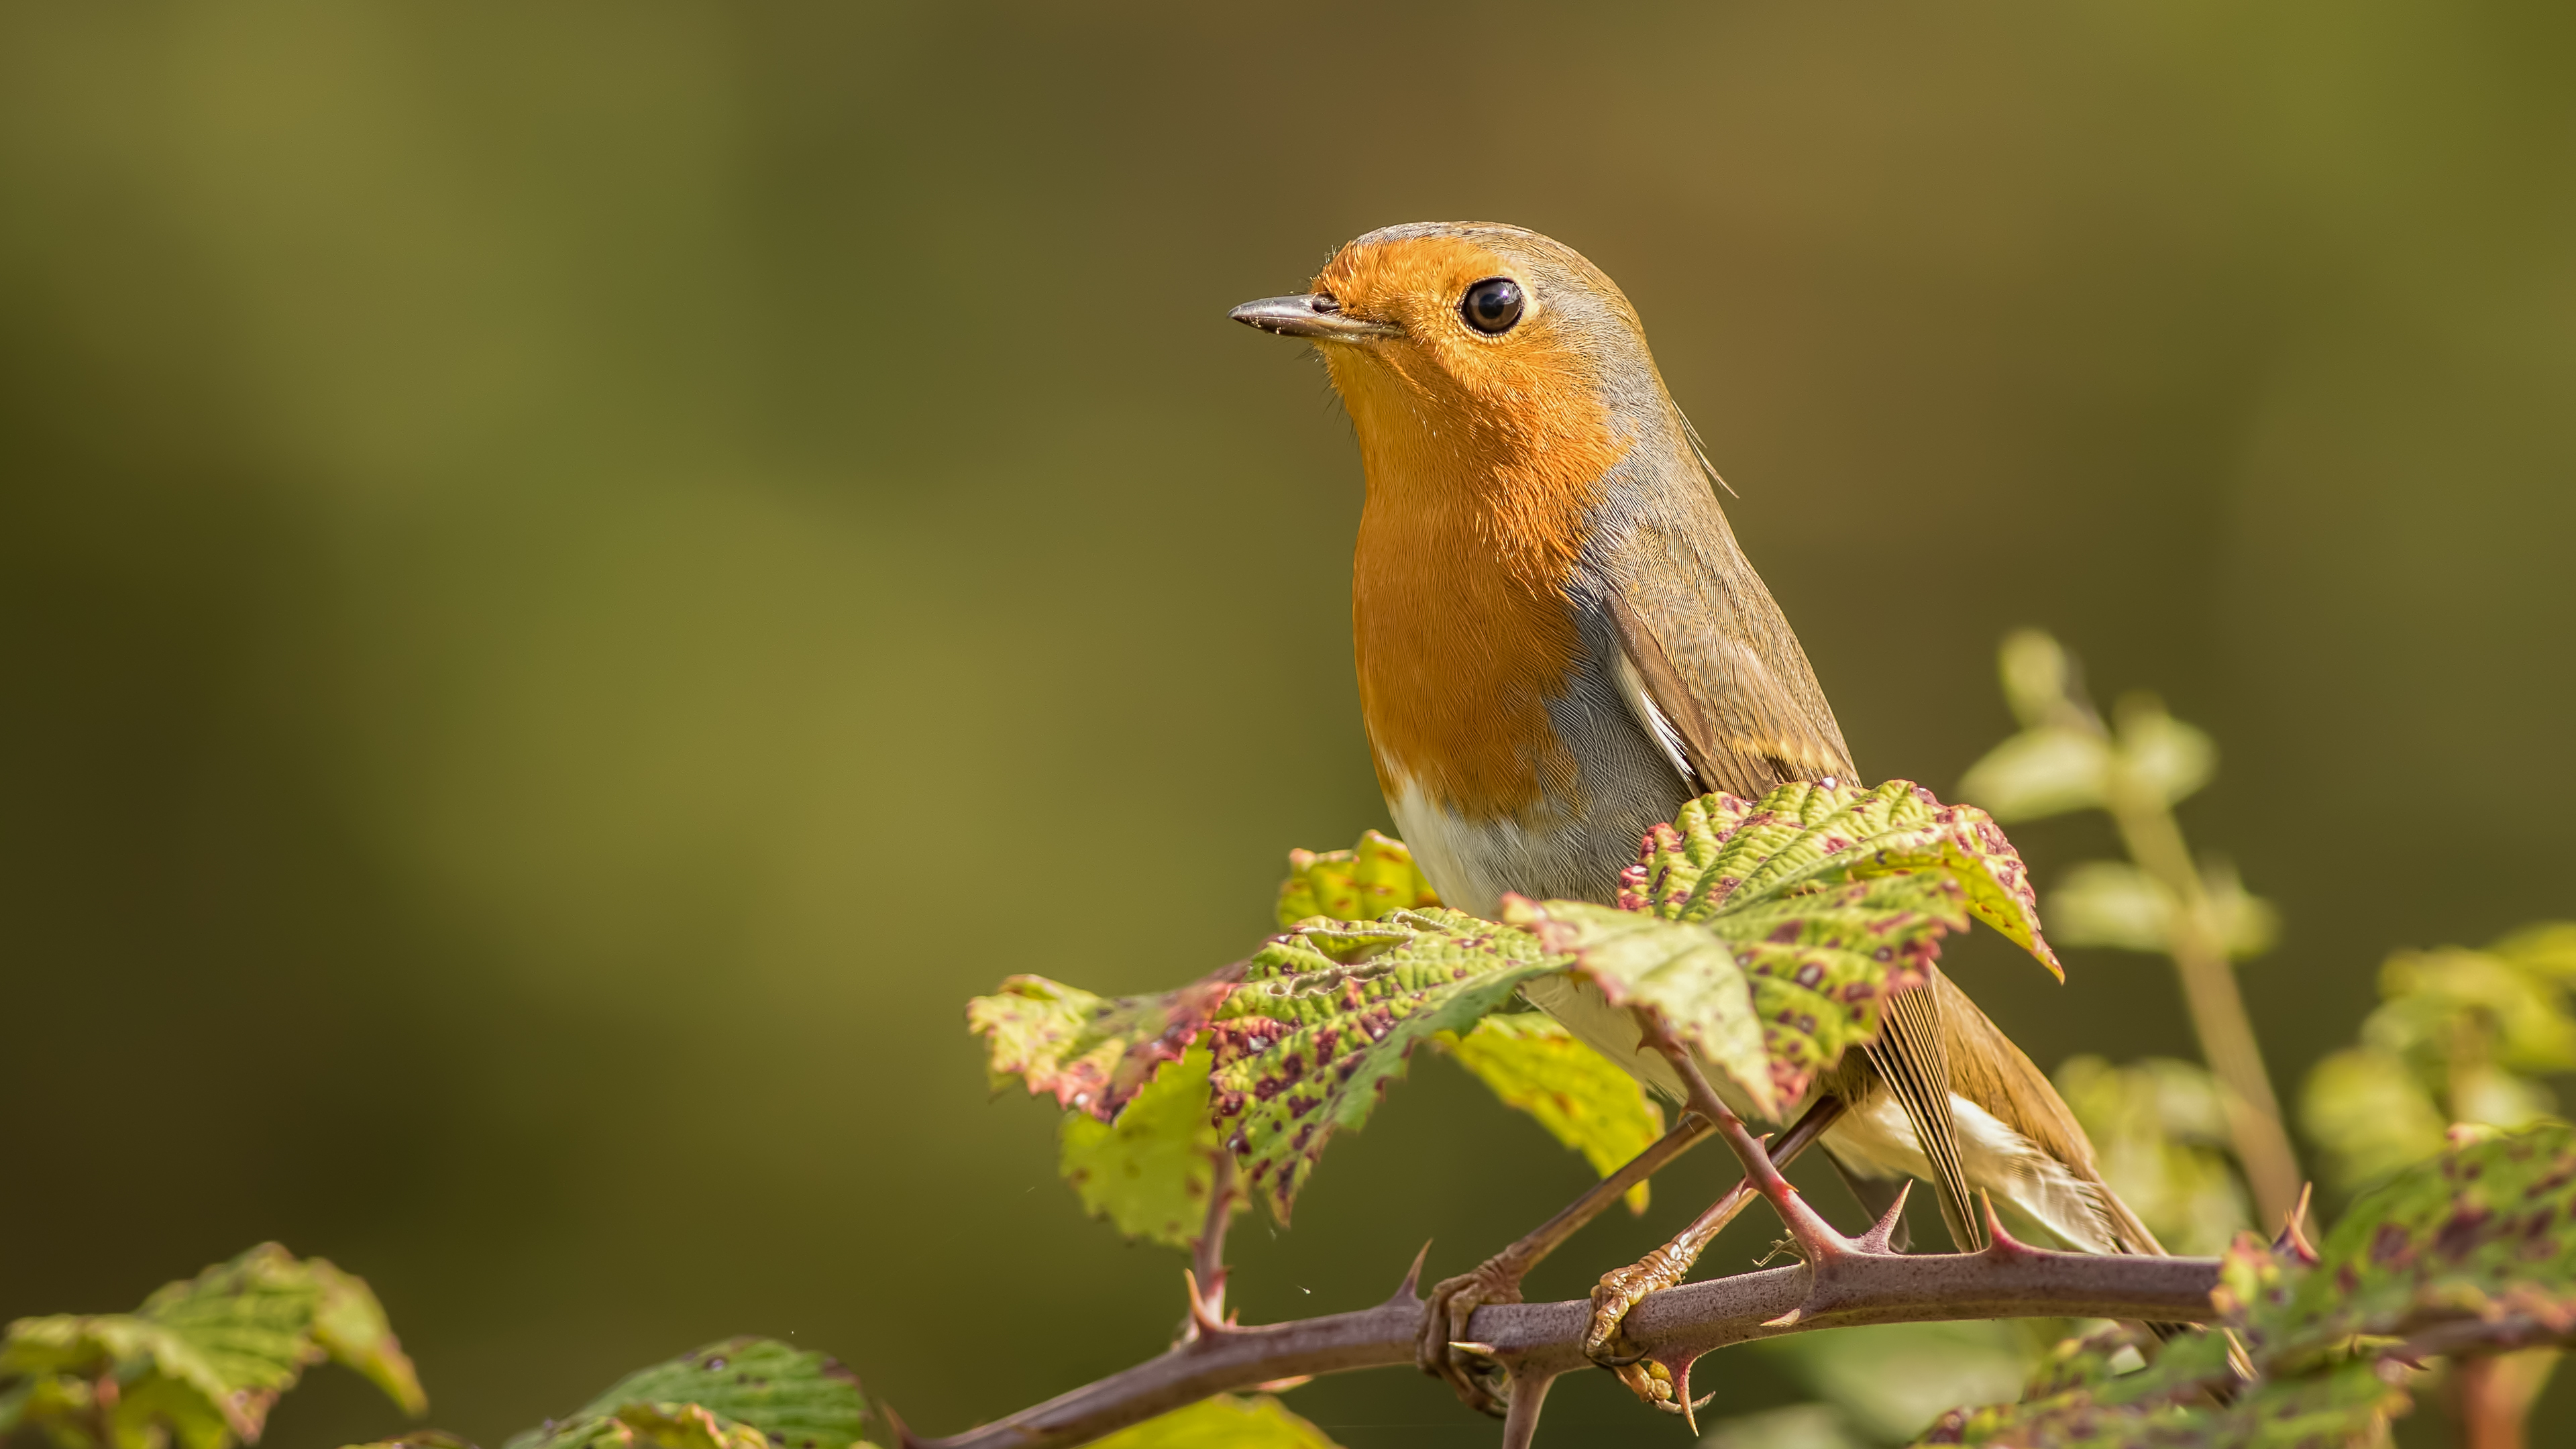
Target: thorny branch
(1843,1282)
(1543,1340)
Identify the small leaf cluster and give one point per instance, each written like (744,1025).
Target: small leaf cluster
(2064,759)
(202,1361)
(2473,1250)
(2459,1036)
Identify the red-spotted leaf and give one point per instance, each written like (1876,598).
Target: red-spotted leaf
(2486,1231)
(1770,990)
(1360,884)
(1325,1017)
(2471,1252)
(1093,1053)
(1687,974)
(1723,855)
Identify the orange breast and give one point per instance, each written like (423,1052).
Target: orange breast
(1458,606)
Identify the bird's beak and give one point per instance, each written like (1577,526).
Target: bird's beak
(1314,316)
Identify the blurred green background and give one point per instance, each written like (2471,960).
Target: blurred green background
(574,578)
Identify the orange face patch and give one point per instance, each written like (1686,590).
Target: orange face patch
(1483,456)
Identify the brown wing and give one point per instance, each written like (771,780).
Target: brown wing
(1714,657)
(1987,1069)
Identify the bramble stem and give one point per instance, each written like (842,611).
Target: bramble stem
(1547,1338)
(2209,990)
(1207,1255)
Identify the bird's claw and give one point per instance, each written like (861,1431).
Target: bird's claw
(1444,1352)
(1620,1290)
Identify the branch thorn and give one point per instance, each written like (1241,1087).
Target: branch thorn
(1204,1325)
(1785,1320)
(2294,1237)
(1876,1240)
(1405,1292)
(1683,1404)
(2001,1245)
(1481,1350)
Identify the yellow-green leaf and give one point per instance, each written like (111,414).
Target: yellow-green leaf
(2039,773)
(1149,1172)
(2366,1109)
(1223,1422)
(204,1359)
(1360,884)
(1581,1097)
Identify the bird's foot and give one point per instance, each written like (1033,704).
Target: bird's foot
(1443,1350)
(1655,1383)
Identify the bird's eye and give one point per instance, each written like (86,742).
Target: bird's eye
(1492,305)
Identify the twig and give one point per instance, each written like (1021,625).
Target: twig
(2218,1017)
(1207,1255)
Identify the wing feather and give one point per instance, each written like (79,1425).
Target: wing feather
(1715,658)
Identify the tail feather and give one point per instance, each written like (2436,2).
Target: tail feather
(2062,1184)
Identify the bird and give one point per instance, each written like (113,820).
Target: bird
(1560,642)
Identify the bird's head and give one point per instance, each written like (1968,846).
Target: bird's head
(1470,353)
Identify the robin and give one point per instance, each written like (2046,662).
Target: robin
(1559,644)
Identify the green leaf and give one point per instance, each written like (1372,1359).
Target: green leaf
(1223,1422)
(2372,1117)
(2112,903)
(2039,679)
(747,1393)
(1581,1097)
(1326,1016)
(2476,1247)
(2115,904)
(419,1439)
(1360,884)
(2159,1133)
(203,1360)
(2041,772)
(1149,1172)
(2168,757)
(1090,1052)
(350,1326)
